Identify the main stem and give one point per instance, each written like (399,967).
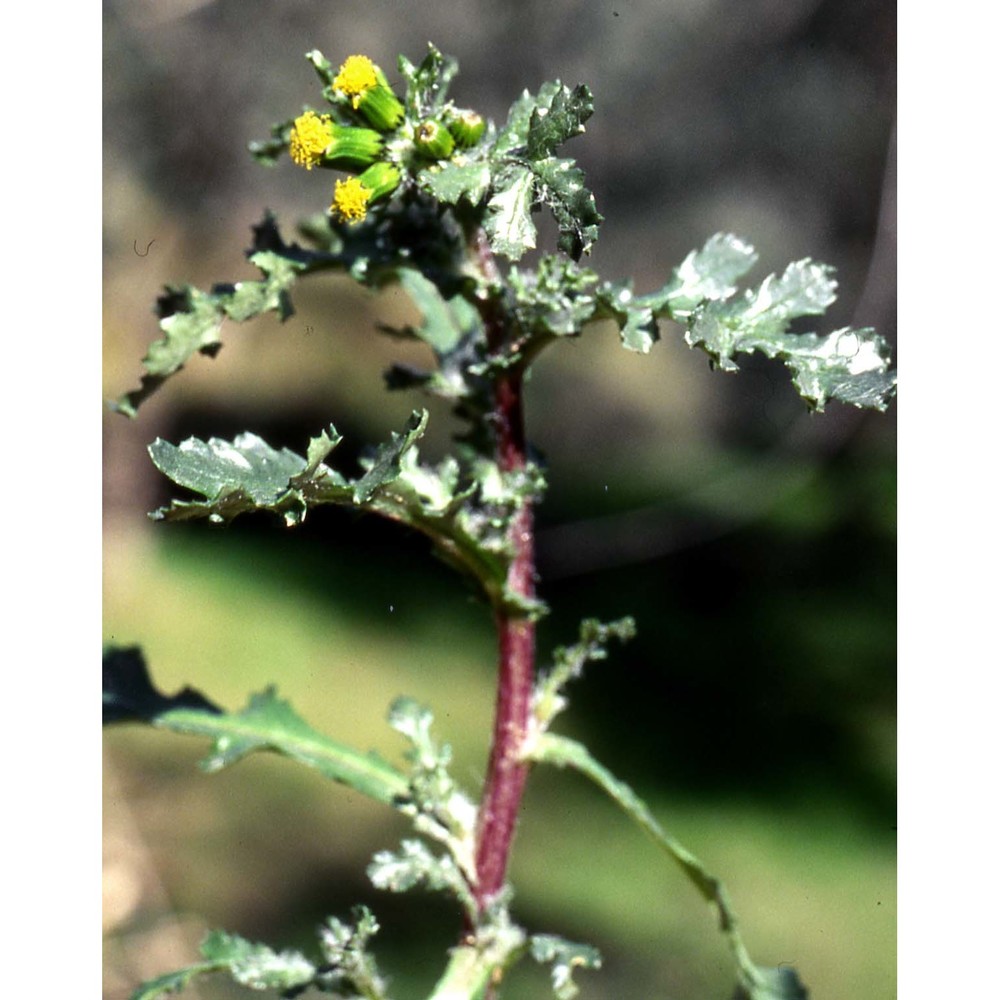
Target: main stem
(507,772)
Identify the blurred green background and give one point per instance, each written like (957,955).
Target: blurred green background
(754,543)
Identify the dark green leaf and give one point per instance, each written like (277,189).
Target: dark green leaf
(536,126)
(562,188)
(558,119)
(129,694)
(384,468)
(513,137)
(450,182)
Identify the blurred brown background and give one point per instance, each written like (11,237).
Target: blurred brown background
(754,543)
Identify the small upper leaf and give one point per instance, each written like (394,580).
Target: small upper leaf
(560,118)
(427,83)
(526,173)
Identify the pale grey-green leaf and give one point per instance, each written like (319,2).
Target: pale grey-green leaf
(256,965)
(508,221)
(216,467)
(709,273)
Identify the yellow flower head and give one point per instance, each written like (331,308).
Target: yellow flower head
(350,200)
(310,136)
(357,75)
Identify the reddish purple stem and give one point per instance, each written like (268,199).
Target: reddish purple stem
(507,772)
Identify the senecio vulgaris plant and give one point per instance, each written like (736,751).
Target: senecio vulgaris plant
(433,197)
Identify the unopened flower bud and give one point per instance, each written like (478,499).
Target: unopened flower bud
(466,126)
(433,140)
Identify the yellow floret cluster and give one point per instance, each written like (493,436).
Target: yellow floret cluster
(309,139)
(356,76)
(350,199)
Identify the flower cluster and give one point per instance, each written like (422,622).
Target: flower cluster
(379,144)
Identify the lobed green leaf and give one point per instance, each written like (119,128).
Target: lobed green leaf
(508,222)
(446,322)
(561,187)
(527,174)
(348,962)
(454,181)
(217,469)
(707,274)
(256,965)
(267,723)
(563,752)
(851,366)
(191,319)
(556,119)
